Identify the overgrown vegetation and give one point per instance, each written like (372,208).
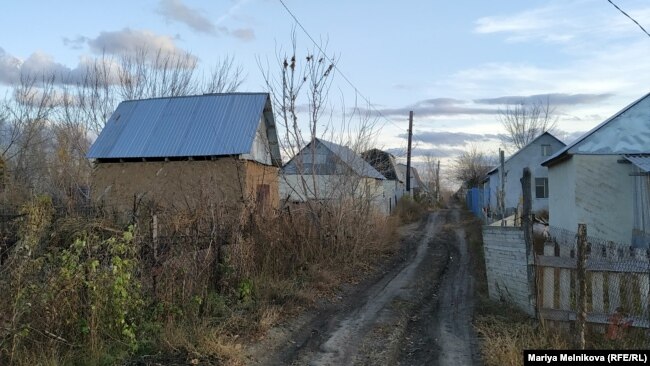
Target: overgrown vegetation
(89,291)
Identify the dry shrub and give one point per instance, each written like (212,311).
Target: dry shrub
(408,210)
(503,338)
(204,341)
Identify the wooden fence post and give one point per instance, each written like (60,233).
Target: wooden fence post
(527,226)
(582,284)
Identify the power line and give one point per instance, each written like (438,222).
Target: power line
(356,90)
(632,19)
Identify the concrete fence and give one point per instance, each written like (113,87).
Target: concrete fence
(507,267)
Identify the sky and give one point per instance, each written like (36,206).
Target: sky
(455,63)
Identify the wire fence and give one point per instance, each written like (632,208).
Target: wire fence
(613,278)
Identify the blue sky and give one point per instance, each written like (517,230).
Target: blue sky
(450,62)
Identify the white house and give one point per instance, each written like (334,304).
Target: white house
(394,187)
(530,156)
(601,179)
(324,171)
(417,186)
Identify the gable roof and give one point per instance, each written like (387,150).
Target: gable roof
(496,168)
(382,161)
(416,182)
(607,146)
(342,154)
(199,125)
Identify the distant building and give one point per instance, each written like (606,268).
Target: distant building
(385,164)
(181,152)
(530,156)
(417,186)
(602,179)
(326,171)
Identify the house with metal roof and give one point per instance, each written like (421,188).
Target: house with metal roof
(602,179)
(417,186)
(530,156)
(219,149)
(393,187)
(326,171)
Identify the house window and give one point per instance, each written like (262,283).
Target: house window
(546,150)
(541,187)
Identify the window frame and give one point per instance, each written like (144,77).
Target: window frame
(546,150)
(543,185)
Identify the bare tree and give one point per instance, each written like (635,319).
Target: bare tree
(48,122)
(432,174)
(524,122)
(225,77)
(471,167)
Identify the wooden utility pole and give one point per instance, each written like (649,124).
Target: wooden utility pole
(502,192)
(438,181)
(527,226)
(408,154)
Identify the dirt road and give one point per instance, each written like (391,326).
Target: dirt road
(416,313)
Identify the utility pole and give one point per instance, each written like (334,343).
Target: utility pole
(438,181)
(408,154)
(502,192)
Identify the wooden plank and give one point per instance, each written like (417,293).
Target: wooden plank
(547,260)
(597,285)
(643,281)
(596,264)
(613,282)
(593,317)
(565,280)
(548,289)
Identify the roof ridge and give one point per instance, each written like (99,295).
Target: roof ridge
(196,96)
(592,131)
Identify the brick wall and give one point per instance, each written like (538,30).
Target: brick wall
(506,266)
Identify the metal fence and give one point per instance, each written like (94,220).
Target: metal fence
(586,280)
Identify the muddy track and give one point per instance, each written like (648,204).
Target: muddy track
(416,313)
(442,332)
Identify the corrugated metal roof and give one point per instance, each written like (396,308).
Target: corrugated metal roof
(353,160)
(201,125)
(641,161)
(322,157)
(612,141)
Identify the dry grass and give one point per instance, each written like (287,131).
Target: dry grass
(503,338)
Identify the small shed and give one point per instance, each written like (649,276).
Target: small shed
(183,152)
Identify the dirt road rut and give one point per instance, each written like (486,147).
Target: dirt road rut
(418,313)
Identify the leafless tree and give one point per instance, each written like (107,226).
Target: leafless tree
(524,122)
(432,174)
(47,124)
(334,194)
(225,77)
(471,167)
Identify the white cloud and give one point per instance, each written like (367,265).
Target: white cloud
(39,65)
(564,22)
(129,41)
(176,10)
